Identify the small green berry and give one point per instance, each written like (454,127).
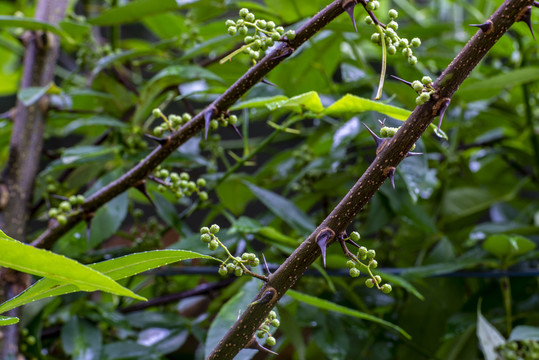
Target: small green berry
(157,113)
(386,288)
(53,212)
(238,271)
(248,39)
(371,254)
(250,17)
(222,270)
(417,85)
(261,24)
(378,278)
(270,25)
(369,283)
(416,42)
(52,188)
(65,206)
(213,245)
(186,117)
(280,30)
(362,252)
(373,264)
(245,256)
(403,42)
(350,264)
(407,52)
(163,173)
(391,50)
(412,60)
(229,23)
(62,219)
(354,236)
(233,119)
(270,341)
(174,177)
(368,20)
(206,238)
(184,176)
(158,131)
(232,30)
(214,229)
(203,196)
(72,200)
(260,334)
(375,38)
(393,14)
(214,124)
(426,80)
(244,12)
(272,315)
(275,36)
(290,34)
(275,323)
(242,30)
(161,188)
(425,96)
(254,262)
(354,272)
(230,267)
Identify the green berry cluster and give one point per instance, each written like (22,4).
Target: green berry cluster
(170,123)
(52,185)
(180,184)
(519,350)
(236,265)
(65,207)
(265,34)
(424,89)
(147,233)
(393,41)
(223,120)
(387,132)
(191,36)
(356,263)
(264,329)
(132,140)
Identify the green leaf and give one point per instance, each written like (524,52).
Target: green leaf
(489,337)
(8,320)
(284,209)
(116,269)
(506,246)
(228,315)
(305,102)
(233,195)
(524,332)
(97,120)
(26,258)
(33,24)
(486,88)
(259,102)
(327,305)
(30,95)
(81,339)
(133,11)
(351,105)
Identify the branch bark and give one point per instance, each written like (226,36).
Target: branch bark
(25,150)
(232,94)
(392,152)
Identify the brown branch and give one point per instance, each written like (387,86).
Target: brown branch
(394,151)
(232,94)
(25,151)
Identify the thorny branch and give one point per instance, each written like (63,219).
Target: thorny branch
(394,151)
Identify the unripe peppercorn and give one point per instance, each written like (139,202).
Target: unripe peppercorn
(393,25)
(238,271)
(62,219)
(374,264)
(214,229)
(222,270)
(157,113)
(230,267)
(248,39)
(391,50)
(371,254)
(378,278)
(65,206)
(393,14)
(416,42)
(255,262)
(275,323)
(53,212)
(375,38)
(368,20)
(290,34)
(242,30)
(417,85)
(213,245)
(270,341)
(426,80)
(355,236)
(369,283)
(233,119)
(412,60)
(354,272)
(350,264)
(206,238)
(272,314)
(386,288)
(244,12)
(424,96)
(232,30)
(203,196)
(250,17)
(230,23)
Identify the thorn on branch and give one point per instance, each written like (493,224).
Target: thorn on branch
(237,131)
(322,240)
(349,7)
(267,82)
(253,344)
(207,118)
(141,186)
(442,109)
(485,27)
(378,140)
(285,54)
(160,141)
(390,172)
(402,80)
(88,218)
(536,4)
(526,18)
(268,272)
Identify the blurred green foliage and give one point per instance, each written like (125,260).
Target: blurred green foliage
(444,230)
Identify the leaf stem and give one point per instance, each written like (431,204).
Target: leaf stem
(384,63)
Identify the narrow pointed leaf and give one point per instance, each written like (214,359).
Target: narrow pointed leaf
(28,259)
(116,269)
(327,305)
(8,320)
